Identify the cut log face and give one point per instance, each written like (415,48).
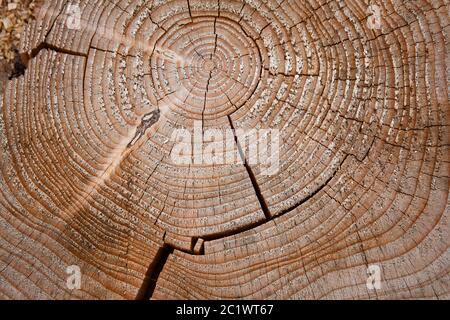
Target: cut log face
(212,149)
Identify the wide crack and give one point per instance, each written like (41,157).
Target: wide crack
(154,270)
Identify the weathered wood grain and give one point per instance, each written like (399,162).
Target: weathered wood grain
(87,174)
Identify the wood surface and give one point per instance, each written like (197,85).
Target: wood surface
(87,177)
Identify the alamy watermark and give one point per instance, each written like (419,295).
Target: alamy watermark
(73,21)
(374,20)
(74,280)
(374,277)
(227,146)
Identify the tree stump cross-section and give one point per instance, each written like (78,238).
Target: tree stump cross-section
(351,98)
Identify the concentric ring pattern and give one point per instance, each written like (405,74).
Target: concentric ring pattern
(205,68)
(361,103)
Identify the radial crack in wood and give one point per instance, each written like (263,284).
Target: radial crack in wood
(212,149)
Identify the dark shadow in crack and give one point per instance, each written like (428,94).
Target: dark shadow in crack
(153,272)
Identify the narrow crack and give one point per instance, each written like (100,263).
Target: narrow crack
(189,8)
(47,46)
(270,217)
(206,97)
(215,39)
(22,60)
(312,195)
(259,195)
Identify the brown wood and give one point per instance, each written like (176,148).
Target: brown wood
(87,176)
